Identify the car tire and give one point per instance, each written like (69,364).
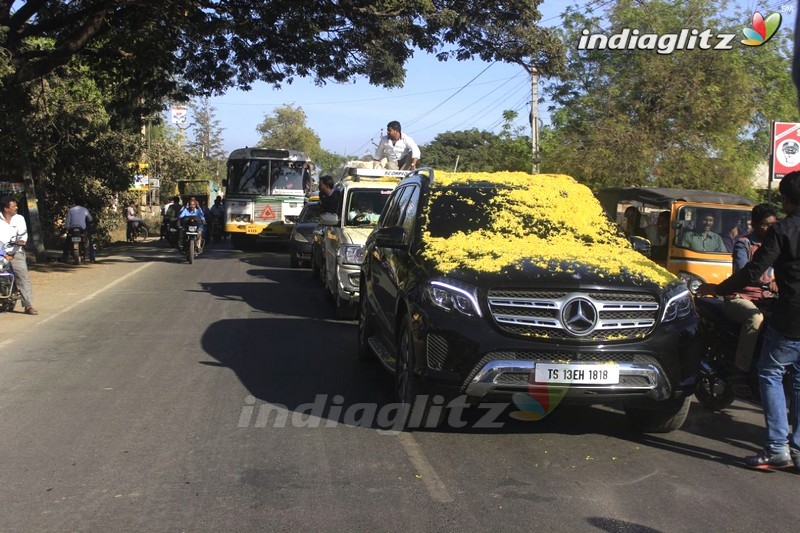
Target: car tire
(345,310)
(662,417)
(406,382)
(293,261)
(364,328)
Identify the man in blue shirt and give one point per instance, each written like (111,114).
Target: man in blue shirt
(193,210)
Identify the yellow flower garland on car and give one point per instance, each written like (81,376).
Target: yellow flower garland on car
(549,220)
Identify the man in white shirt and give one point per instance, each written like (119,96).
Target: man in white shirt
(14,234)
(78,217)
(398,149)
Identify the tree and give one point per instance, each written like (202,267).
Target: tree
(207,144)
(692,118)
(286,128)
(213,45)
(480,151)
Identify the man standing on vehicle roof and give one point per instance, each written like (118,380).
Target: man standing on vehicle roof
(398,148)
(780,353)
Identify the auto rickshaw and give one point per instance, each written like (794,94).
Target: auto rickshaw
(703,225)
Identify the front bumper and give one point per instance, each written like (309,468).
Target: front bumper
(347,282)
(472,356)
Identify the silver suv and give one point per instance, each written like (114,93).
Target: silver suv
(364,193)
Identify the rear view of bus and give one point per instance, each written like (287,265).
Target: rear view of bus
(264,194)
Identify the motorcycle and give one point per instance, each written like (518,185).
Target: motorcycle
(191,242)
(217,233)
(79,246)
(720,336)
(9,294)
(173,232)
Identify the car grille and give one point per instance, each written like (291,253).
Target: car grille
(263,215)
(538,313)
(437,351)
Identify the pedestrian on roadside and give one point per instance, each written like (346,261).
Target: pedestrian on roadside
(14,235)
(780,249)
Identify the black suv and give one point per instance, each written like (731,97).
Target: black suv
(497,286)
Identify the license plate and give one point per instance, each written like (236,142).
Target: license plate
(578,374)
(253,229)
(192,228)
(77,239)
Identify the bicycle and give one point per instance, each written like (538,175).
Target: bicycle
(137,231)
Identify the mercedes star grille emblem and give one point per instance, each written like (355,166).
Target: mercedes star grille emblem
(579,316)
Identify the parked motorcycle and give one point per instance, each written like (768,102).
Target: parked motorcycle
(9,294)
(79,244)
(720,336)
(191,243)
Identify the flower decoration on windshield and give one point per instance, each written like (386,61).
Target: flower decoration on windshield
(548,220)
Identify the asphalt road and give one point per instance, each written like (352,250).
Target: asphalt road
(153,395)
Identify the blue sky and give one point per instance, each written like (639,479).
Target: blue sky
(436,96)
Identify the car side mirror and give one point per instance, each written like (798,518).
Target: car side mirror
(641,245)
(329,219)
(391,237)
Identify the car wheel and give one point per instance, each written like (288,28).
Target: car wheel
(662,417)
(364,328)
(406,382)
(293,261)
(345,310)
(712,392)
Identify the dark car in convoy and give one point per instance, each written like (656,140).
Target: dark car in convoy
(517,287)
(302,235)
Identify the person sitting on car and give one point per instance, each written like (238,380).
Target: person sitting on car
(702,239)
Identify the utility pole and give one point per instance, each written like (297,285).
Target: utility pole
(534,117)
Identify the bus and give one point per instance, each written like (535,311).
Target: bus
(264,194)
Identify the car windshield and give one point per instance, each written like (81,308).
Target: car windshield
(364,206)
(310,213)
(711,230)
(470,209)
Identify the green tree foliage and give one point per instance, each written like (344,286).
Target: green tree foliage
(480,151)
(207,144)
(286,128)
(692,118)
(72,146)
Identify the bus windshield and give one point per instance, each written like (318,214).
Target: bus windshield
(267,177)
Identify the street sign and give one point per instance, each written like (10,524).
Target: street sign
(179,114)
(785,149)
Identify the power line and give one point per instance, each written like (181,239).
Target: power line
(418,118)
(468,106)
(493,105)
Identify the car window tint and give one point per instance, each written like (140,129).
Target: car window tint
(410,215)
(310,213)
(391,215)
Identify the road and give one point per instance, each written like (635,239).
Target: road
(153,395)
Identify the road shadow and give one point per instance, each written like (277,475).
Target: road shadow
(293,358)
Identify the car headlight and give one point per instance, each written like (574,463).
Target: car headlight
(299,237)
(692,281)
(451,296)
(679,305)
(351,255)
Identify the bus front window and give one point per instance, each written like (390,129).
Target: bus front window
(248,177)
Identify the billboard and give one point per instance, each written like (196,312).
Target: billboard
(785,148)
(179,114)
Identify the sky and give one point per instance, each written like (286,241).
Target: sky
(436,96)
